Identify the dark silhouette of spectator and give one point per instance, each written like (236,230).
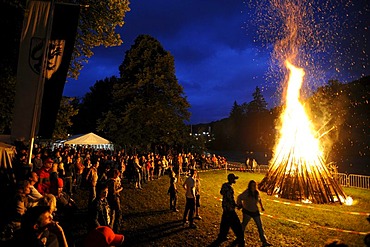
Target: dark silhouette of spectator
(37,162)
(172,191)
(54,179)
(114,189)
(103,236)
(79,167)
(229,216)
(69,174)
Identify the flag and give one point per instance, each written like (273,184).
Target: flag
(62,39)
(30,65)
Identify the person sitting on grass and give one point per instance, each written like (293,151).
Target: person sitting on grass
(248,201)
(172,191)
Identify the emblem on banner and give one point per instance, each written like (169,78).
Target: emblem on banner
(55,55)
(36,54)
(54,58)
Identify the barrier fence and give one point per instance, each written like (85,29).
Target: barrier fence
(347,180)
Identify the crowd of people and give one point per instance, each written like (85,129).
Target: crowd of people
(46,188)
(42,205)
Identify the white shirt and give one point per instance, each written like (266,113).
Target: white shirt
(190,187)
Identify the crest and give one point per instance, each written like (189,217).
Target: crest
(54,56)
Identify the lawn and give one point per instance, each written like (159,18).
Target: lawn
(147,220)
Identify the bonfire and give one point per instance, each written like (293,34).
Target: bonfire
(297,170)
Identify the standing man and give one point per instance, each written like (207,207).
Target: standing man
(189,186)
(229,216)
(99,209)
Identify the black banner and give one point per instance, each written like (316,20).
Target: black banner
(63,34)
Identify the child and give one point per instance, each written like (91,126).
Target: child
(172,190)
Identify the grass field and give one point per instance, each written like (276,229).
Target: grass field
(149,222)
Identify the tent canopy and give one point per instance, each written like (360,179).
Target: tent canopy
(88,139)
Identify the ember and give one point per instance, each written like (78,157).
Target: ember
(297,169)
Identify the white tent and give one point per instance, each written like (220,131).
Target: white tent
(7,177)
(90,139)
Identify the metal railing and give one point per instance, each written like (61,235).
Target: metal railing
(341,178)
(358,181)
(353,180)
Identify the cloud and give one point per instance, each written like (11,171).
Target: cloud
(216,58)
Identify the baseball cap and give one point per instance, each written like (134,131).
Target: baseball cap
(48,160)
(232,176)
(103,236)
(60,183)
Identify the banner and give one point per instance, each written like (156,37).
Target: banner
(30,65)
(62,39)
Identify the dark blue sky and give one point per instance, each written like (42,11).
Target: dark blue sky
(217,57)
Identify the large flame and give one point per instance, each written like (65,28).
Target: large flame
(297,169)
(298,145)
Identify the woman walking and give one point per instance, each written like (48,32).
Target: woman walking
(248,201)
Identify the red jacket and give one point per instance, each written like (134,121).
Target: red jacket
(43,185)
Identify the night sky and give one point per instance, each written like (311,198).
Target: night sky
(219,54)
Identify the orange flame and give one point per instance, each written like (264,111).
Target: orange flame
(297,144)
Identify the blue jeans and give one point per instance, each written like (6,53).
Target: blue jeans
(257,219)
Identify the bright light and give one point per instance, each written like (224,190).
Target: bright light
(348,201)
(306,201)
(297,146)
(298,170)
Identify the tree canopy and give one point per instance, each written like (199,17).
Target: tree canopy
(64,122)
(149,106)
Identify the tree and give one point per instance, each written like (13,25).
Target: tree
(149,106)
(236,111)
(258,104)
(64,118)
(97,26)
(93,105)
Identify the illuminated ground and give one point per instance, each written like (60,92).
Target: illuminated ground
(148,222)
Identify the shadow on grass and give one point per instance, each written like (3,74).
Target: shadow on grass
(146,213)
(153,233)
